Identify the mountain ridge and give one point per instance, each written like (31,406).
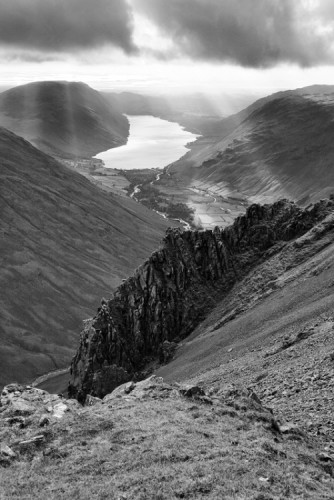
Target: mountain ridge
(280,146)
(172,292)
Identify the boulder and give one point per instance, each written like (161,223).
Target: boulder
(7,452)
(190,391)
(92,401)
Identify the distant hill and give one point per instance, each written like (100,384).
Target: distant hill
(279,146)
(67,119)
(195,112)
(64,244)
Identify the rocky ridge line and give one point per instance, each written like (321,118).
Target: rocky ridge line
(175,289)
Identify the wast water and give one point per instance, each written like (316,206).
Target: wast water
(152,143)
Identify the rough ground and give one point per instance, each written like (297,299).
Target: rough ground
(156,441)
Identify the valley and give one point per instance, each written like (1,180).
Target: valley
(212,298)
(203,189)
(212,184)
(166,250)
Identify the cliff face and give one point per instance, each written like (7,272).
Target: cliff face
(174,290)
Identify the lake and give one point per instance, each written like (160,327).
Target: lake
(152,143)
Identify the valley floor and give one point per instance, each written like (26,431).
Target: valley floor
(212,205)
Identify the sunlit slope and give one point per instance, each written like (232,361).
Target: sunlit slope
(280,146)
(63,118)
(64,245)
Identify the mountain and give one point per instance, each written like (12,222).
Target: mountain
(182,282)
(280,146)
(236,324)
(66,119)
(244,407)
(64,242)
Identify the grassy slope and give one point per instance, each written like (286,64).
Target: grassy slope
(279,146)
(64,244)
(155,444)
(62,118)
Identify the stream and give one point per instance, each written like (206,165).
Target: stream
(136,190)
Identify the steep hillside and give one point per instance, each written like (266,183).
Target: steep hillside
(67,119)
(281,146)
(177,288)
(64,244)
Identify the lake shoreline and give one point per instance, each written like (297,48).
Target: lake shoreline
(152,143)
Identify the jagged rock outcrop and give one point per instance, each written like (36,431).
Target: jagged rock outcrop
(175,288)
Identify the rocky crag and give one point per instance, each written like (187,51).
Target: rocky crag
(175,289)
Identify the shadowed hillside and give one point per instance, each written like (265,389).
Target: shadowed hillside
(64,243)
(62,118)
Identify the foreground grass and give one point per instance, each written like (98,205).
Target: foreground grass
(166,446)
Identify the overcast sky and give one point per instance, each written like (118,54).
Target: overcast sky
(169,45)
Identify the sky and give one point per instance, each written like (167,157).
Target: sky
(230,47)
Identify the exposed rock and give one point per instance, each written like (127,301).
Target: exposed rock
(147,425)
(59,410)
(180,283)
(167,351)
(38,406)
(20,407)
(9,389)
(324,457)
(129,387)
(151,387)
(44,420)
(7,452)
(120,391)
(19,421)
(92,401)
(191,390)
(290,428)
(34,440)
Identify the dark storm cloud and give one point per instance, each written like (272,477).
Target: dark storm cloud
(254,33)
(65,25)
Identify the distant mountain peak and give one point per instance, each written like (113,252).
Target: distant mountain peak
(66,119)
